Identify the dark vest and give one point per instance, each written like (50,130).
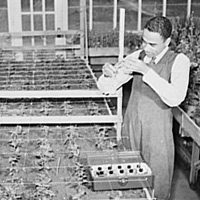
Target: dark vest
(147,126)
(142,91)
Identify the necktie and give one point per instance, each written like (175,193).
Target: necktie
(152,62)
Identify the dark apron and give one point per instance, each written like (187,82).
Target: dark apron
(147,127)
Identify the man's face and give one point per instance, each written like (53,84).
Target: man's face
(153,43)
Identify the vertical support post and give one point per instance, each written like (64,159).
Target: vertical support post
(164,8)
(82,27)
(139,15)
(67,15)
(121,33)
(90,14)
(189,2)
(194,159)
(120,57)
(15,24)
(86,33)
(115,15)
(32,20)
(61,15)
(14,21)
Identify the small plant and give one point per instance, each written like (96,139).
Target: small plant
(22,109)
(78,182)
(103,140)
(44,155)
(93,108)
(46,107)
(44,152)
(15,189)
(67,107)
(70,143)
(111,39)
(3,107)
(43,188)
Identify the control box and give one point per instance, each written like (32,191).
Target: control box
(118,170)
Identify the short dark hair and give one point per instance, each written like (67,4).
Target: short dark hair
(161,25)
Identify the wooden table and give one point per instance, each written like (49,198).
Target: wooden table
(189,126)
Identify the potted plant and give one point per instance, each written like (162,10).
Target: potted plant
(186,40)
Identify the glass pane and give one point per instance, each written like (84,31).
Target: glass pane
(74,14)
(50,22)
(74,18)
(131,19)
(150,9)
(25,5)
(196,8)
(49,5)
(74,2)
(50,40)
(26,40)
(37,5)
(3,16)
(103,17)
(3,20)
(38,25)
(176,8)
(3,3)
(38,41)
(26,23)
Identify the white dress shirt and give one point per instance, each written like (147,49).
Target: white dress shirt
(172,93)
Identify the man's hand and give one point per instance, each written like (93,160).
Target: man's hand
(131,65)
(127,65)
(109,70)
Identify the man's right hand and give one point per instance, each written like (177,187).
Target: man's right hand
(109,70)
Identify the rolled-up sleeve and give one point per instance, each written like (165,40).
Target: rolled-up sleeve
(172,93)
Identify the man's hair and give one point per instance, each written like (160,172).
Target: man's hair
(161,25)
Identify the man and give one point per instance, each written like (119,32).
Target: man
(160,81)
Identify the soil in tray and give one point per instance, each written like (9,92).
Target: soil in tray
(42,162)
(56,107)
(45,75)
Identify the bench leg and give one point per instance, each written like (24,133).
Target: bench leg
(193,167)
